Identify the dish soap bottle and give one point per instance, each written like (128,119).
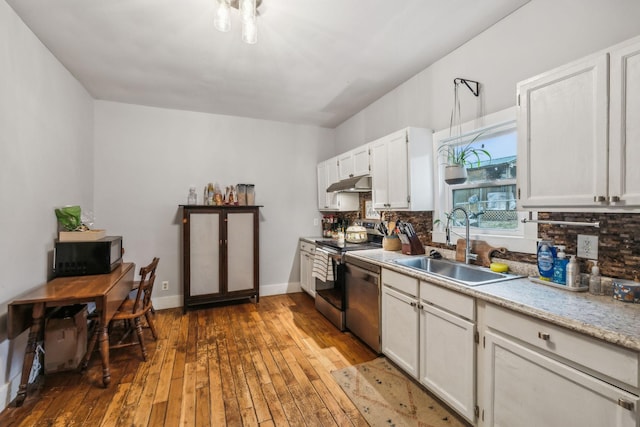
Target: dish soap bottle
(595,284)
(573,273)
(546,257)
(560,267)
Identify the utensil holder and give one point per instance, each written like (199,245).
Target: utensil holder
(391,243)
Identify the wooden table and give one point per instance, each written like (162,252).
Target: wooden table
(107,291)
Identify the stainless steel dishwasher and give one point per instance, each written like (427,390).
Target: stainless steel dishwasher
(362,307)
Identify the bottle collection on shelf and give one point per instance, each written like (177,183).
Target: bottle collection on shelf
(234,195)
(554,266)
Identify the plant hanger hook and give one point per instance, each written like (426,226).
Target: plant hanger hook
(466,82)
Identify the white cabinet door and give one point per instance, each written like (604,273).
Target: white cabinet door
(307,281)
(323,196)
(379,174)
(204,241)
(240,243)
(389,177)
(398,170)
(562,136)
(332,177)
(447,359)
(327,175)
(624,136)
(525,388)
(354,163)
(400,322)
(360,157)
(345,165)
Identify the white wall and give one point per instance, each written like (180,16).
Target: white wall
(146,158)
(46,125)
(541,35)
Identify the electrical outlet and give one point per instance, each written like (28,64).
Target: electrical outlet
(315,222)
(587,246)
(165,285)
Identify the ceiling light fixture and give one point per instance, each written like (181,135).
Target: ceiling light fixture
(248,17)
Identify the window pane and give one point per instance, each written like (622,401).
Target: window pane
(492,206)
(488,194)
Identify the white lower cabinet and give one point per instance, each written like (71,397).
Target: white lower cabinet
(400,320)
(527,388)
(538,374)
(448,357)
(429,332)
(307,281)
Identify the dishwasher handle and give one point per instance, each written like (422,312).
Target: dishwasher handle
(362,274)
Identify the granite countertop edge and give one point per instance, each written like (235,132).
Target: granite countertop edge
(600,317)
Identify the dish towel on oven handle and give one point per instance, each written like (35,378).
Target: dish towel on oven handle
(322,266)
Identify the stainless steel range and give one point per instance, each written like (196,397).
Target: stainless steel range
(330,297)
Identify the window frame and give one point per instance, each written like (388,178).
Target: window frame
(524,238)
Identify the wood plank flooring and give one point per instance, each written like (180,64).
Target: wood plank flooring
(265,364)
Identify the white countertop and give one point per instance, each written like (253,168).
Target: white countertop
(597,316)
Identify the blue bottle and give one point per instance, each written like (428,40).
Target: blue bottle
(560,267)
(546,259)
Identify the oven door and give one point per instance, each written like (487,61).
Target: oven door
(330,296)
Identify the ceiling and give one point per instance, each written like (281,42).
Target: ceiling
(316,62)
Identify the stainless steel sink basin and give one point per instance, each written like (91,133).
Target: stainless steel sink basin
(458,272)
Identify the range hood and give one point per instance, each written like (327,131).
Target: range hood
(351,185)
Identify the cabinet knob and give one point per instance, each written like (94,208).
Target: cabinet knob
(614,199)
(184,220)
(625,404)
(544,336)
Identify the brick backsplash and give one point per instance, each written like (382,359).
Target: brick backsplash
(618,237)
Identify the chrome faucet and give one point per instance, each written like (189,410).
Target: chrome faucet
(468,256)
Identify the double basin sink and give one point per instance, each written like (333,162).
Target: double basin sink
(463,274)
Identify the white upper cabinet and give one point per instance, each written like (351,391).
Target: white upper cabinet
(624,133)
(577,140)
(402,170)
(354,163)
(327,172)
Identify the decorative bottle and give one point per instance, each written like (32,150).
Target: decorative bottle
(192,198)
(595,282)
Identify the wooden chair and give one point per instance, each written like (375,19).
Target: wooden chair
(134,309)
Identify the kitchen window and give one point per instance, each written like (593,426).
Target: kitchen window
(489,193)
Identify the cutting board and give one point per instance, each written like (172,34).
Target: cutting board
(479,247)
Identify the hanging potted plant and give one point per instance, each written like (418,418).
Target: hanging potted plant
(459,157)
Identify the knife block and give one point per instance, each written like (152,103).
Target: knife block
(411,245)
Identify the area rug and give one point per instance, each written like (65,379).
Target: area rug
(387,397)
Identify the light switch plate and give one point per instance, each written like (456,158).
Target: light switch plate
(587,246)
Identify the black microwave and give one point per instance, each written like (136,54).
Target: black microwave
(91,257)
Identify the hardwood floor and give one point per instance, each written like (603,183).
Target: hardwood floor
(265,364)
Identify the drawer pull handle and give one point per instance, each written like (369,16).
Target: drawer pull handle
(413,304)
(625,404)
(544,336)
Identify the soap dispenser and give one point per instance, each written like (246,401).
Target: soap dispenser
(560,266)
(595,284)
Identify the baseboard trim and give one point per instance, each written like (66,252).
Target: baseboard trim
(173,301)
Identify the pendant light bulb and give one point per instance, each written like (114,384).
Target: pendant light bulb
(249,22)
(222,21)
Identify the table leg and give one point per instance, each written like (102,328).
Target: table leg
(34,334)
(104,354)
(90,348)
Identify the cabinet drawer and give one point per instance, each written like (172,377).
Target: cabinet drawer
(398,281)
(597,356)
(307,247)
(454,302)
